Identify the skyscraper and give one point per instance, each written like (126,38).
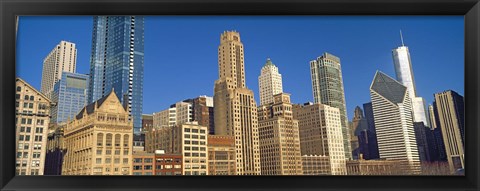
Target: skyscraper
(450,109)
(235,108)
(393,121)
(327,86)
(117,62)
(404,73)
(63,57)
(69,96)
(269,82)
(279,138)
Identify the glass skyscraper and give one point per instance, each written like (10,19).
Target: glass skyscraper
(117,62)
(327,86)
(70,96)
(404,73)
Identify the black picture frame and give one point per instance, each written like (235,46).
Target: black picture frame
(9,9)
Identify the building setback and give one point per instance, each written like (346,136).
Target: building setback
(235,107)
(327,87)
(279,138)
(32,110)
(99,140)
(69,96)
(117,62)
(269,83)
(321,134)
(221,155)
(451,120)
(393,121)
(63,57)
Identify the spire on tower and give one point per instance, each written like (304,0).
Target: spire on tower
(401,37)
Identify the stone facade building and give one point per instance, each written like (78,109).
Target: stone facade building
(321,134)
(99,140)
(279,138)
(221,155)
(32,110)
(235,107)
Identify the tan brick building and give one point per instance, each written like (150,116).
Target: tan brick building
(235,110)
(321,134)
(143,163)
(279,138)
(221,155)
(32,110)
(316,165)
(99,140)
(374,167)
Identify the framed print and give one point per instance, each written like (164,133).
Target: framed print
(241,95)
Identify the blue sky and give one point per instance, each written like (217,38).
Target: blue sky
(181,51)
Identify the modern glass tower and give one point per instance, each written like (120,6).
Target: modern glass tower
(392,111)
(117,62)
(327,86)
(69,96)
(404,73)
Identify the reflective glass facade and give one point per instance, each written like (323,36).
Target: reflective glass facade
(117,62)
(70,96)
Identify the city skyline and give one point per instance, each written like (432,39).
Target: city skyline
(357,71)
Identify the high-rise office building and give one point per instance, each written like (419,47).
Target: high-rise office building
(99,140)
(371,143)
(393,121)
(327,86)
(359,134)
(32,110)
(235,107)
(269,82)
(421,133)
(279,138)
(202,112)
(117,62)
(404,73)
(69,96)
(321,134)
(450,110)
(63,57)
(431,117)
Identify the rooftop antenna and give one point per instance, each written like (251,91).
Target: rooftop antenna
(401,37)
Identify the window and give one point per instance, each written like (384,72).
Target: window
(137,167)
(29,121)
(99,160)
(108,160)
(27,137)
(147,160)
(32,98)
(38,138)
(19,154)
(30,105)
(125,161)
(39,130)
(17,96)
(29,129)
(36,155)
(108,152)
(137,160)
(37,147)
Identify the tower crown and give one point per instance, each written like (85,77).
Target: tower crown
(230,36)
